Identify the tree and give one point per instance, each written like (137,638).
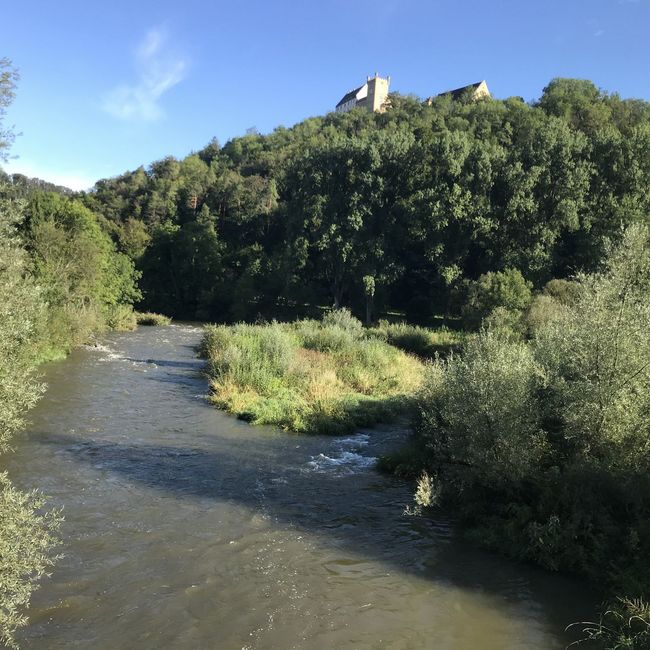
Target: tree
(507,289)
(8,81)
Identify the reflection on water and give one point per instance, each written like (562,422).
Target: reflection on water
(188,529)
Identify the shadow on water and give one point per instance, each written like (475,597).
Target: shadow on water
(359,511)
(167,363)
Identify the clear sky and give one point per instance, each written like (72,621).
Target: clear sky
(108,86)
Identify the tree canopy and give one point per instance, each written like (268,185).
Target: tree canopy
(401,209)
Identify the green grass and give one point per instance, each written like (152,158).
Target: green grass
(151,318)
(309,376)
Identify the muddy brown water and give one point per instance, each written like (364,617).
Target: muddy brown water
(185,528)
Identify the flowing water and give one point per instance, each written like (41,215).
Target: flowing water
(185,528)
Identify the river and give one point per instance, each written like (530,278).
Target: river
(185,528)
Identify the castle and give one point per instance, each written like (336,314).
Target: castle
(373,95)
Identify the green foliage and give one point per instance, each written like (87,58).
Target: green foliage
(121,318)
(87,284)
(566,292)
(394,211)
(26,535)
(343,319)
(26,539)
(21,315)
(542,443)
(479,413)
(312,377)
(543,309)
(507,289)
(597,357)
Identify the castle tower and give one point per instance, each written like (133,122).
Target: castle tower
(377,93)
(372,96)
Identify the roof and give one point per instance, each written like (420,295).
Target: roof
(457,93)
(348,96)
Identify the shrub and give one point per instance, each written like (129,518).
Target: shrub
(343,319)
(478,415)
(25,534)
(505,323)
(26,539)
(543,444)
(326,338)
(597,358)
(566,292)
(543,309)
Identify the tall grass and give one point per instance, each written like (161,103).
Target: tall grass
(151,318)
(309,376)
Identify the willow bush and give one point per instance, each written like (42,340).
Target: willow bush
(26,534)
(544,442)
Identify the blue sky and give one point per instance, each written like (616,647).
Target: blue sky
(106,87)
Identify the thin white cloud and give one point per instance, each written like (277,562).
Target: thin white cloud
(599,32)
(159,70)
(73,179)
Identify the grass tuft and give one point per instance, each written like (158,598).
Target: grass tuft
(151,318)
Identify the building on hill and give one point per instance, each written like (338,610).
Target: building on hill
(476,91)
(372,96)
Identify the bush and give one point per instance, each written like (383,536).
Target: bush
(506,289)
(506,323)
(566,292)
(597,359)
(478,414)
(343,319)
(25,534)
(326,338)
(26,539)
(542,444)
(542,311)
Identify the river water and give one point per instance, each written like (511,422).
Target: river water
(185,528)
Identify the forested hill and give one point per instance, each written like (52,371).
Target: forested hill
(395,210)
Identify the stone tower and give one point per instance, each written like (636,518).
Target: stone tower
(372,96)
(377,93)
